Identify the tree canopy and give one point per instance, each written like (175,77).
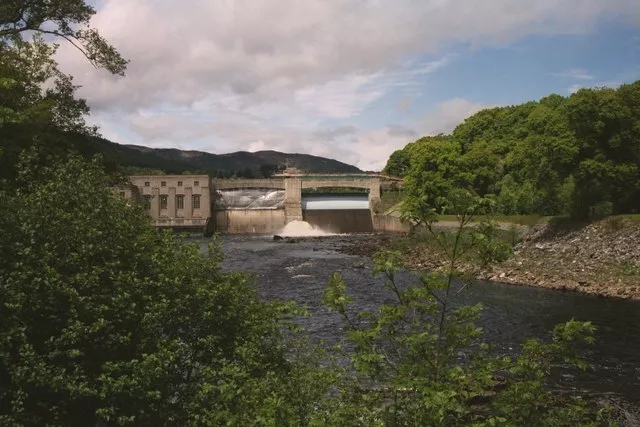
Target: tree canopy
(576,155)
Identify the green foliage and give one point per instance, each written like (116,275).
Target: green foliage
(31,115)
(106,321)
(398,164)
(489,248)
(65,19)
(578,155)
(420,358)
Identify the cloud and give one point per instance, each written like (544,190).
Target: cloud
(272,48)
(575,74)
(449,114)
(227,75)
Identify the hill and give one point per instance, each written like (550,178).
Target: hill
(139,159)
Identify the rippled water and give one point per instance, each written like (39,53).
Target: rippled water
(300,271)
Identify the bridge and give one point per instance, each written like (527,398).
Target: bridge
(293,183)
(196,201)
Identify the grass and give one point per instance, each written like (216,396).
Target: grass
(628,217)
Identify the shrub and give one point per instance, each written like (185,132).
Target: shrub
(104,320)
(419,359)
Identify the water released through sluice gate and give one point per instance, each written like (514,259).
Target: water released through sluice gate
(261,211)
(249,199)
(300,271)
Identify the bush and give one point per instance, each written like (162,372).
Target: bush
(419,359)
(104,320)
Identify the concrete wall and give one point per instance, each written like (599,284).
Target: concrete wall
(292,199)
(235,184)
(389,224)
(340,221)
(250,221)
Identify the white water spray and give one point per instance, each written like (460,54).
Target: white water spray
(301,229)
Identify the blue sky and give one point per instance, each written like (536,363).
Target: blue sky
(348,79)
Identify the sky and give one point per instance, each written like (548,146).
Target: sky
(352,80)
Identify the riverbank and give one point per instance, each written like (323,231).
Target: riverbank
(600,258)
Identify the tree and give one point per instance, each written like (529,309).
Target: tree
(419,358)
(398,164)
(577,155)
(436,169)
(18,17)
(38,106)
(51,118)
(605,121)
(105,321)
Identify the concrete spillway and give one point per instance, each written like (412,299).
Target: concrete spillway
(335,202)
(249,199)
(340,221)
(260,211)
(338,213)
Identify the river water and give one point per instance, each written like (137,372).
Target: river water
(300,271)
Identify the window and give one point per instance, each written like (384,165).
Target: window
(163,183)
(195,201)
(163,202)
(147,202)
(196,183)
(146,183)
(122,194)
(180,202)
(179,183)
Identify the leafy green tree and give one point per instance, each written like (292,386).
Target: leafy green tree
(605,121)
(51,118)
(38,106)
(64,19)
(106,321)
(577,155)
(420,360)
(436,169)
(399,163)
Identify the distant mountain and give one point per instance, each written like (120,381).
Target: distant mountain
(138,159)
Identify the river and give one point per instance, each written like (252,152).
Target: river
(300,271)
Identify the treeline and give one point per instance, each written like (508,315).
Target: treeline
(577,155)
(264,171)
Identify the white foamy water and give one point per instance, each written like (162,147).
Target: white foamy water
(301,229)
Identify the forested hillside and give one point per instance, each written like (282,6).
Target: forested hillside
(134,159)
(577,155)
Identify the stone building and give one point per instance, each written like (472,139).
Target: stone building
(173,200)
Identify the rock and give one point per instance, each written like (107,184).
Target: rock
(277,237)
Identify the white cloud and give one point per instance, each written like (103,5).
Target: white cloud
(575,74)
(226,75)
(448,114)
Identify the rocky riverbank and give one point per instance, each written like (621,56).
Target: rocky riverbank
(600,258)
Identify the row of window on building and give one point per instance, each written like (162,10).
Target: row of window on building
(164,183)
(164,201)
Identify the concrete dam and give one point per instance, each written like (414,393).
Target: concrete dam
(265,206)
(262,211)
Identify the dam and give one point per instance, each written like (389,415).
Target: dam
(336,203)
